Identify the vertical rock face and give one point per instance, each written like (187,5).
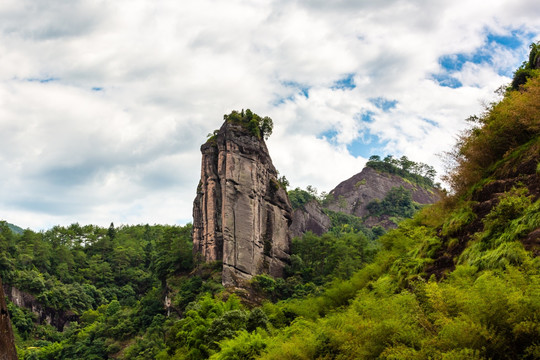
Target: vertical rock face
(241,215)
(7,342)
(309,218)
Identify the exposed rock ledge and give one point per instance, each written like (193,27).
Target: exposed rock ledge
(56,318)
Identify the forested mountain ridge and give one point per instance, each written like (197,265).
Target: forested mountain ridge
(379,197)
(16,229)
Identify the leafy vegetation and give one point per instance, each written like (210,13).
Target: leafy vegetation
(321,259)
(299,198)
(397,202)
(422,174)
(111,279)
(502,129)
(258,126)
(528,69)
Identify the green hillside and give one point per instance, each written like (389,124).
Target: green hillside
(16,229)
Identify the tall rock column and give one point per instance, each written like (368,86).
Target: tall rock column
(241,214)
(7,341)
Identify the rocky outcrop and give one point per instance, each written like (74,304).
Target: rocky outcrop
(45,315)
(353,195)
(7,341)
(309,218)
(241,214)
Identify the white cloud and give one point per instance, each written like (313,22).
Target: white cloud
(103,105)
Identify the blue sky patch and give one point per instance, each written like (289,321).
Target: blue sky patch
(447,81)
(484,54)
(512,41)
(431,122)
(366,145)
(43,80)
(383,103)
(329,135)
(97,88)
(366,116)
(302,89)
(346,83)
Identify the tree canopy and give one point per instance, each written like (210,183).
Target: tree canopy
(258,126)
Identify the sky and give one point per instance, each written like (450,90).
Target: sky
(104,104)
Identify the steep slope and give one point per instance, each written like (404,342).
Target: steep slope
(241,214)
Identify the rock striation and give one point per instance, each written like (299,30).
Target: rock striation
(241,214)
(7,341)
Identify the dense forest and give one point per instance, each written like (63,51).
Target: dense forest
(460,280)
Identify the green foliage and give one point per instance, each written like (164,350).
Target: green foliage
(173,252)
(283,182)
(528,69)
(205,323)
(109,276)
(247,345)
(259,127)
(299,198)
(397,202)
(464,215)
(345,223)
(502,129)
(319,259)
(512,219)
(420,173)
(22,319)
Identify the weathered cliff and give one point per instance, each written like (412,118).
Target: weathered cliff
(241,214)
(353,195)
(310,217)
(45,315)
(7,341)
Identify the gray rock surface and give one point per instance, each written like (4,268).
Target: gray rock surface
(45,315)
(7,341)
(309,218)
(241,215)
(353,195)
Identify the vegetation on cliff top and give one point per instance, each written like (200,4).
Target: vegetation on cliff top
(261,127)
(422,174)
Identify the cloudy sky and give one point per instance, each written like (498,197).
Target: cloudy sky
(104,104)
